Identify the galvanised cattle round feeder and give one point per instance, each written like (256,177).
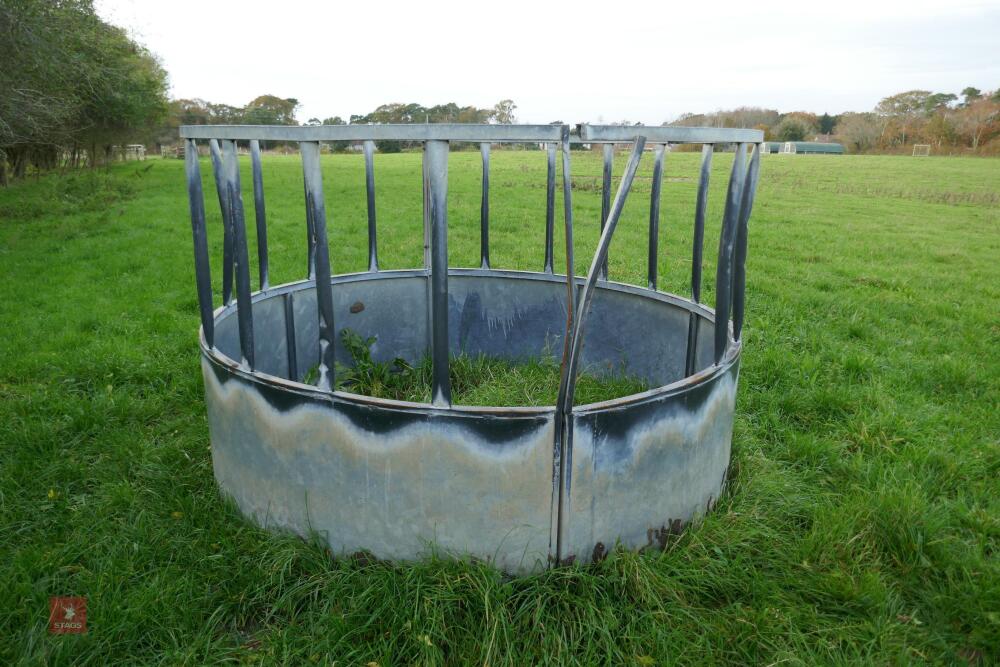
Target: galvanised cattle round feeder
(521,487)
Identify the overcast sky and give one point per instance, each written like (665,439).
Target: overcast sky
(607,61)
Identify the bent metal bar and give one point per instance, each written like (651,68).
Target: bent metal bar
(522,487)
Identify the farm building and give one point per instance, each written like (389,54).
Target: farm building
(812,147)
(773,146)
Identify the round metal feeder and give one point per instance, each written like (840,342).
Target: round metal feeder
(521,487)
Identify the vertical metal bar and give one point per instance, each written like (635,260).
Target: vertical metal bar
(609,155)
(216,155)
(727,240)
(568,224)
(701,206)
(241,254)
(369,147)
(293,362)
(592,275)
(571,357)
(697,250)
(740,252)
(310,236)
(260,214)
(427,249)
(436,172)
(427,217)
(227,230)
(324,292)
(563,445)
(691,356)
(202,270)
(550,205)
(484,210)
(654,217)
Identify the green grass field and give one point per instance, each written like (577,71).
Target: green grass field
(861,523)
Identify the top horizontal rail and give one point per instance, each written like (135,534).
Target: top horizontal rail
(473,133)
(666,134)
(414,132)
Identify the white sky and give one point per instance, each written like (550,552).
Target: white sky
(574,62)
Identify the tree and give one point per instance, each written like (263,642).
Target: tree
(903,110)
(939,102)
(826,123)
(970,94)
(224,114)
(978,119)
(749,117)
(739,117)
(271,110)
(809,121)
(791,129)
(940,130)
(128,99)
(860,131)
(768,135)
(69,79)
(397,112)
(911,102)
(191,112)
(503,112)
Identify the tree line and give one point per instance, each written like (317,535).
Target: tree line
(272,110)
(964,122)
(71,85)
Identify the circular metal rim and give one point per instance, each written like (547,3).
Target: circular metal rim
(703,376)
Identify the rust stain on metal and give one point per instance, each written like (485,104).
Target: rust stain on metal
(663,534)
(364,558)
